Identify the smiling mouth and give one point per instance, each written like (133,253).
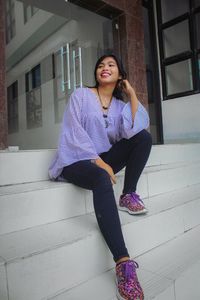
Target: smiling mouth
(105,74)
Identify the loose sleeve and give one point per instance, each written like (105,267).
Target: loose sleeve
(74,142)
(130,127)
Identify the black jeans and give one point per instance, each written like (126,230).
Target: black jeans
(131,153)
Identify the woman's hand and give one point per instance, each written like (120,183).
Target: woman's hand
(100,163)
(127,88)
(130,93)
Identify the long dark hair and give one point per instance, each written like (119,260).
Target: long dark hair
(118,88)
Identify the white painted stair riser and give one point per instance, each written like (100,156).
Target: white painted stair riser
(27,205)
(67,265)
(29,166)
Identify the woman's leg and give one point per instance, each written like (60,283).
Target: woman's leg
(131,153)
(89,176)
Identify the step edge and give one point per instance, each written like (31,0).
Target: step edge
(94,231)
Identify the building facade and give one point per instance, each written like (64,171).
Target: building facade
(50,48)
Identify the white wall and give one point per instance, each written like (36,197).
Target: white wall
(181,119)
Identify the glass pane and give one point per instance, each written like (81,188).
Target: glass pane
(176,39)
(197,3)
(179,77)
(55,25)
(34,109)
(172,9)
(198,29)
(12,100)
(36,77)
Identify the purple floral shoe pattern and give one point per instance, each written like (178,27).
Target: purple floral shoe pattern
(132,204)
(128,286)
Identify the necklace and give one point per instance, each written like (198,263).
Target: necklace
(103,106)
(105,115)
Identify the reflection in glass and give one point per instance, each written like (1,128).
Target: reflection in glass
(29,11)
(34,108)
(10,20)
(12,100)
(172,9)
(33,98)
(179,77)
(46,78)
(197,3)
(176,39)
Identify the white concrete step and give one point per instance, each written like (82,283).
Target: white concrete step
(29,166)
(31,204)
(45,260)
(168,272)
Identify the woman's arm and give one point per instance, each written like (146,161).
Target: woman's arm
(134,117)
(130,93)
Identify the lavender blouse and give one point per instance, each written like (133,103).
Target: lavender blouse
(84,134)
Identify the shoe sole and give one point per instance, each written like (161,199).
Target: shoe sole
(119,297)
(140,212)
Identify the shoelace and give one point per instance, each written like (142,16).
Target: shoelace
(136,198)
(129,269)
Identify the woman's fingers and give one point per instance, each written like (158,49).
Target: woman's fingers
(112,176)
(107,168)
(114,179)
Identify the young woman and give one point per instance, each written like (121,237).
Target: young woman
(100,135)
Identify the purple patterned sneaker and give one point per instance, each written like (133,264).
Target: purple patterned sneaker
(128,286)
(132,204)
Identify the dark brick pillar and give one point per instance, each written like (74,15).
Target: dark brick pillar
(3,102)
(131,32)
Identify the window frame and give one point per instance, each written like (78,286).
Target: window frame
(10,20)
(32,90)
(33,11)
(12,100)
(190,54)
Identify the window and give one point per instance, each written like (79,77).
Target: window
(173,8)
(197,3)
(33,98)
(179,40)
(179,77)
(174,45)
(29,11)
(197,20)
(60,82)
(12,100)
(10,20)
(68,75)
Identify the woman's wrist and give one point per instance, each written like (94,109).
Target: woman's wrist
(96,160)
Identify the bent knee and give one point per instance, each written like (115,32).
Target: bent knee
(101,176)
(145,137)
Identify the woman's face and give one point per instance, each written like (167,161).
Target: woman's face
(107,71)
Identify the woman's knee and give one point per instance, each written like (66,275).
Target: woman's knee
(144,137)
(101,177)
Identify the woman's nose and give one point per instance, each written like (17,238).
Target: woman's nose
(105,68)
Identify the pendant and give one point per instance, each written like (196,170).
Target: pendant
(106,123)
(106,120)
